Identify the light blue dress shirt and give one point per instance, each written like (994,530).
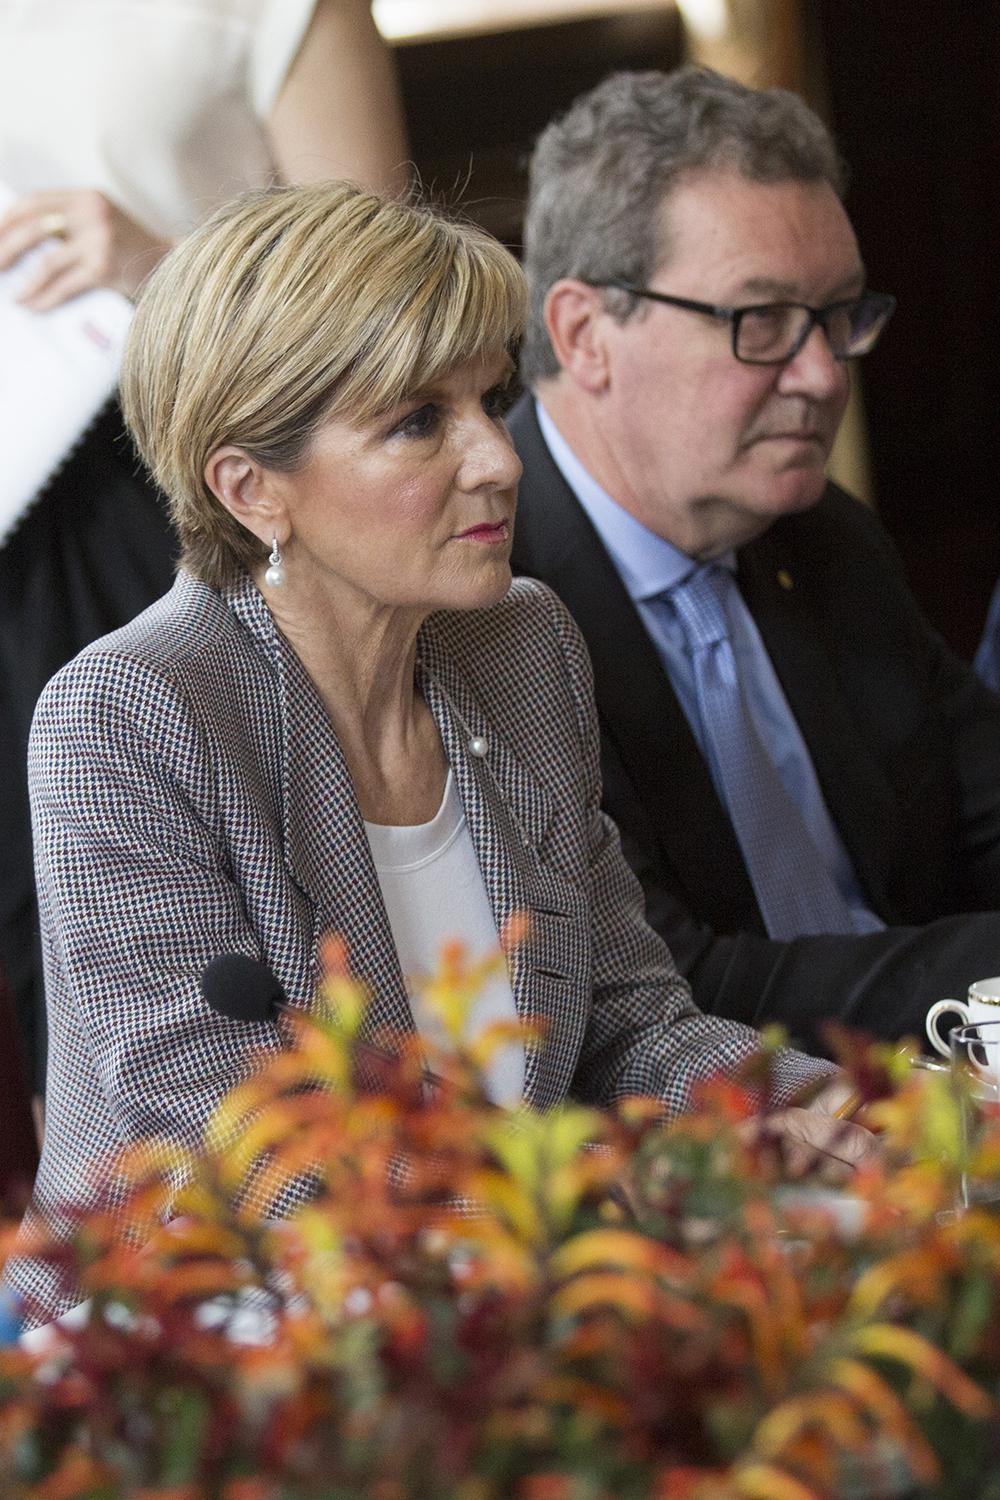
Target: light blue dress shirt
(648,566)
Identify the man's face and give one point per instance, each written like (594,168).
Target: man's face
(704,450)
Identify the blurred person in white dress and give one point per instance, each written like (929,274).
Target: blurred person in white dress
(123,124)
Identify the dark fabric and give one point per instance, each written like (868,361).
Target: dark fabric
(988,654)
(95,549)
(19,1150)
(904,739)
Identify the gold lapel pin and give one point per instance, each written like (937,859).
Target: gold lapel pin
(785,579)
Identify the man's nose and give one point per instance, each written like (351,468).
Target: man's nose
(814,370)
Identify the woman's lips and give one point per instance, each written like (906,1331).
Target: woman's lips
(488,532)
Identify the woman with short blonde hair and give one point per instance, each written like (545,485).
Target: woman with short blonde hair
(308,313)
(343,717)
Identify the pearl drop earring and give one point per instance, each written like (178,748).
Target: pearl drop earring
(275,575)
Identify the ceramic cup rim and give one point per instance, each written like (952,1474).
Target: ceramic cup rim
(975,996)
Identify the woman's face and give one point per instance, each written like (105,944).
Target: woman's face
(414,510)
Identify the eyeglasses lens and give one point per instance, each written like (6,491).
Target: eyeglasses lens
(868,316)
(769,335)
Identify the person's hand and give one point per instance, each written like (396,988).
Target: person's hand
(816,1144)
(94,244)
(838,1097)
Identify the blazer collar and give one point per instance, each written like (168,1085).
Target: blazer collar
(325,845)
(508,811)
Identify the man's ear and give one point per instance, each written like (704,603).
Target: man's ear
(248,492)
(575,319)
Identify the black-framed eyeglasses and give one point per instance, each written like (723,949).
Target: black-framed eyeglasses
(771,333)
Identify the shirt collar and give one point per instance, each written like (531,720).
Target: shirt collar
(647,565)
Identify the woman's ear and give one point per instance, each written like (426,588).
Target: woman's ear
(246,489)
(575,320)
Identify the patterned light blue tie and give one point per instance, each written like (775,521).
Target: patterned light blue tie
(795,891)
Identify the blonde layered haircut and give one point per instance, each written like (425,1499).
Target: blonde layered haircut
(291,307)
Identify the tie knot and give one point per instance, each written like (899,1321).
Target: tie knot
(700,602)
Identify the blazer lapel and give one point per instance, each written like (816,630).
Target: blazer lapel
(508,811)
(640,715)
(325,844)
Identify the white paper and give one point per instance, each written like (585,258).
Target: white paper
(57,369)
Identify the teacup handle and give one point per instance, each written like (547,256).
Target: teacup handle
(939,1008)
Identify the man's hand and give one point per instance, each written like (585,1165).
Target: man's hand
(816,1144)
(93,244)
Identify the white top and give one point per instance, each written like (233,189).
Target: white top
(433,891)
(160,104)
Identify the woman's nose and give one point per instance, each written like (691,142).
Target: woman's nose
(489,457)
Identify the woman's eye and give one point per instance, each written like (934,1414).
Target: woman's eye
(419,423)
(499,399)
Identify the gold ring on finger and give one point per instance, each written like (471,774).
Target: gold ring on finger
(53,225)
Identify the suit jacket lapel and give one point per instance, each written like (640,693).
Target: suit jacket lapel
(775,584)
(640,715)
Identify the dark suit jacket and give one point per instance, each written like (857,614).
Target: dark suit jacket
(988,654)
(904,739)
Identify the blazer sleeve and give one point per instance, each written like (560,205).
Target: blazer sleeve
(135,897)
(645,1034)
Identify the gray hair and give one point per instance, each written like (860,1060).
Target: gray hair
(600,174)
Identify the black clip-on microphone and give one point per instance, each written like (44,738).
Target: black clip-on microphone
(245,989)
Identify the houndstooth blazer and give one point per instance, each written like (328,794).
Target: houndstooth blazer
(190,798)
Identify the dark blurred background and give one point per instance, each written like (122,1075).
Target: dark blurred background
(912,92)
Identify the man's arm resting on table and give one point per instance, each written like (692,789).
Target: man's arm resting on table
(881,983)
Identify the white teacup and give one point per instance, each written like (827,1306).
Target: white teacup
(983,1004)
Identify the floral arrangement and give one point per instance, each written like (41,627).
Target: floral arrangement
(476,1304)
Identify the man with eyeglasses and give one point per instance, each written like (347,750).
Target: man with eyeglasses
(806,781)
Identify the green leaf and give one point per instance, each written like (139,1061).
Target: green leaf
(185,1415)
(970,1316)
